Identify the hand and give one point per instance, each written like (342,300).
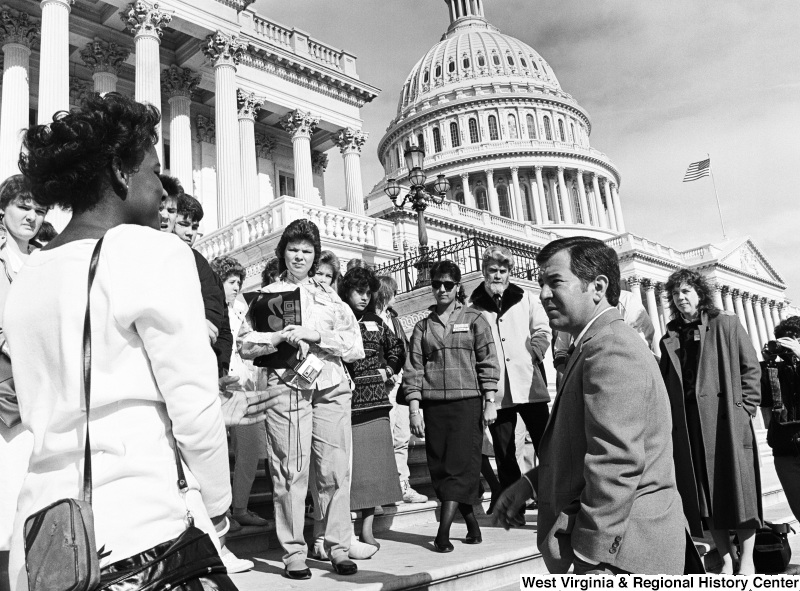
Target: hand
(228,381)
(507,509)
(489,413)
(213,331)
(302,349)
(239,408)
(418,425)
(792,344)
(294,333)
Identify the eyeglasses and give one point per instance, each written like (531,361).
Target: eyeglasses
(448,285)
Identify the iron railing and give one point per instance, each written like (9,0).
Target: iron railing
(466,253)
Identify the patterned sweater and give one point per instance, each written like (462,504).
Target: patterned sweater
(382,348)
(451,362)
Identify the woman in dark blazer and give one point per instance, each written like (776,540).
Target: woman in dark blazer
(713,378)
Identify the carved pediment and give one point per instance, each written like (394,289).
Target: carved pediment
(747,258)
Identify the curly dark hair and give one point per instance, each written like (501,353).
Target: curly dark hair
(359,279)
(15,186)
(227,267)
(68,161)
(171,185)
(271,272)
(47,232)
(190,208)
(447,267)
(700,285)
(296,231)
(788,328)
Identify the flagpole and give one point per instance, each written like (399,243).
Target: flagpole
(719,208)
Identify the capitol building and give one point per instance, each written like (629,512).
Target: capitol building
(253,111)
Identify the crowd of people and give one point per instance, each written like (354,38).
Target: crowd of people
(645,444)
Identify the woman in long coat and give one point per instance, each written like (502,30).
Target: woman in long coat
(713,378)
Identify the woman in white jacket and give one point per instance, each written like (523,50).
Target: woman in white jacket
(154,382)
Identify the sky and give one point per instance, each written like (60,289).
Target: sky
(665,83)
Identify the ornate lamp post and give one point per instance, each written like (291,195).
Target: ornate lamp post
(419,198)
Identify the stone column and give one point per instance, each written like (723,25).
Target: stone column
(494,202)
(769,325)
(782,312)
(300,126)
(517,194)
(635,285)
(146,22)
(727,299)
(665,298)
(469,199)
(652,309)
(556,201)
(18,31)
(224,52)
(104,59)
(566,198)
(535,202)
(761,324)
(206,137)
(739,307)
(584,202)
(541,195)
(350,142)
(716,290)
(773,307)
(617,208)
(54,59)
(752,328)
(612,217)
(179,84)
(249,105)
(602,221)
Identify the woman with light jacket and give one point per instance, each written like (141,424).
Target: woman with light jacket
(311,423)
(452,375)
(713,378)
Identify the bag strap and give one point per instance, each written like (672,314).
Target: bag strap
(87,374)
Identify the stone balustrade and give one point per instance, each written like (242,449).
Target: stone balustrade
(333,224)
(296,42)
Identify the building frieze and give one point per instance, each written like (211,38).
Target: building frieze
(741,273)
(237,5)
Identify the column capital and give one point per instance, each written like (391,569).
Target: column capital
(579,172)
(350,140)
(143,19)
(78,89)
(299,123)
(17,27)
(612,184)
(515,170)
(66,3)
(772,304)
(319,161)
(648,284)
(489,172)
(560,169)
(634,280)
(177,81)
(538,168)
(595,176)
(249,104)
(746,295)
(265,145)
(222,49)
(104,56)
(736,294)
(206,129)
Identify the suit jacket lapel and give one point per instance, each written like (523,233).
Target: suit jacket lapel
(672,343)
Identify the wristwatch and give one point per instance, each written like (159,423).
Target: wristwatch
(413,412)
(487,399)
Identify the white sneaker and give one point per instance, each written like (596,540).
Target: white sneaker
(360,550)
(318,551)
(234,564)
(410,495)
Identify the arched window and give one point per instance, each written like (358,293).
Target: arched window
(481,60)
(526,203)
(574,139)
(535,67)
(510,59)
(465,62)
(437,140)
(512,127)
(505,204)
(451,66)
(548,134)
(426,76)
(495,59)
(493,134)
(438,72)
(549,203)
(421,141)
(455,138)
(473,131)
(531,122)
(576,206)
(480,199)
(561,130)
(560,203)
(523,62)
(460,197)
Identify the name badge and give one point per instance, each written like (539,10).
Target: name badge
(697,335)
(371,326)
(461,328)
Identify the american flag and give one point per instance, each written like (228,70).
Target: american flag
(697,170)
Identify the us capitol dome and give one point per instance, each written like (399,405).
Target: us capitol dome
(492,117)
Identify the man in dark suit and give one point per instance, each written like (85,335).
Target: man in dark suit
(608,502)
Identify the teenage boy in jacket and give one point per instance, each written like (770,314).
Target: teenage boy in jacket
(522,336)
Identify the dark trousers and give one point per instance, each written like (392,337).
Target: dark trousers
(534,415)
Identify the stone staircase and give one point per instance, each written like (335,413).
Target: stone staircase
(407,560)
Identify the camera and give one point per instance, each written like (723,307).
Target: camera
(774,348)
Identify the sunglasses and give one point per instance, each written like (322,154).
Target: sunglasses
(448,285)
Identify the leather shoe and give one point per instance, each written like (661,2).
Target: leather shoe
(303,573)
(476,539)
(345,567)
(444,548)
